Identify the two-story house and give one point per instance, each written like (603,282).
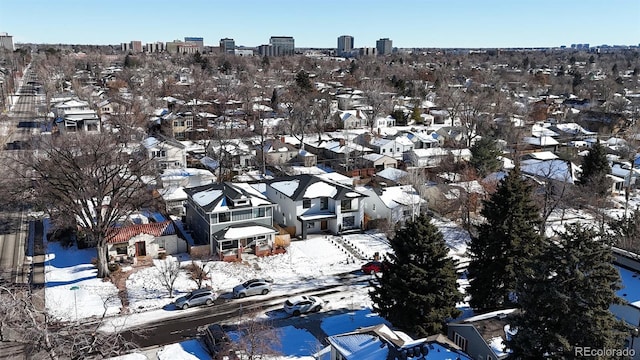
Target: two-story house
(231,218)
(176,125)
(277,152)
(310,204)
(394,204)
(167,152)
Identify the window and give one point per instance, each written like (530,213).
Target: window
(121,250)
(345,205)
(311,225)
(258,213)
(306,203)
(190,123)
(460,341)
(242,215)
(348,222)
(229,244)
(384,151)
(324,203)
(224,217)
(374,207)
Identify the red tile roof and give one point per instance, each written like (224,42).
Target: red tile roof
(120,235)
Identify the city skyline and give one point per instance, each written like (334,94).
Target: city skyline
(408,23)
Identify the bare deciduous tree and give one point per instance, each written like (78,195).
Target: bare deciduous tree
(168,272)
(259,339)
(24,322)
(88,182)
(199,271)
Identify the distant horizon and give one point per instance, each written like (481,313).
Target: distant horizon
(567,46)
(436,24)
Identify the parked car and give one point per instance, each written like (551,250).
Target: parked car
(195,298)
(252,287)
(303,304)
(217,342)
(372,267)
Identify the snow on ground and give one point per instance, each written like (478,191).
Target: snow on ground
(308,264)
(72,289)
(186,350)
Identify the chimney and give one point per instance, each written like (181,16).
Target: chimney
(282,139)
(342,142)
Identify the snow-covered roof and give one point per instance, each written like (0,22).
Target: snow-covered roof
(392,174)
(404,195)
(554,169)
(307,186)
(222,196)
(543,155)
(241,232)
(541,141)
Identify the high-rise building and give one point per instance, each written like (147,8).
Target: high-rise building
(227,46)
(136,46)
(384,46)
(155,47)
(284,45)
(345,45)
(6,41)
(199,41)
(267,50)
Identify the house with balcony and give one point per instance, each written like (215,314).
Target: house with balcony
(231,218)
(311,204)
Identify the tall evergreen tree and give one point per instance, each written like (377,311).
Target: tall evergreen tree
(595,168)
(565,301)
(505,243)
(484,156)
(418,290)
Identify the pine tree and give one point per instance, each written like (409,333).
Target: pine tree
(417,291)
(484,156)
(565,301)
(595,168)
(501,251)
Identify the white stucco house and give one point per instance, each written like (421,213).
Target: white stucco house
(145,240)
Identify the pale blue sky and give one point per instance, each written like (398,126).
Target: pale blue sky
(408,23)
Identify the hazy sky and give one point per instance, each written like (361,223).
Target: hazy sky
(408,23)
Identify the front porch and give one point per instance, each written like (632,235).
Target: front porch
(230,243)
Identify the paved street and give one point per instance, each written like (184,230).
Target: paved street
(16,133)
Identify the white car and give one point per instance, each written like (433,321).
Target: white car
(252,287)
(303,304)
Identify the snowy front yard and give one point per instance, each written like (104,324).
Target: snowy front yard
(72,286)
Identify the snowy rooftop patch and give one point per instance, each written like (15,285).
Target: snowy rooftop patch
(205,198)
(320,189)
(286,187)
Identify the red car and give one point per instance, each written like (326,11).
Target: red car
(372,267)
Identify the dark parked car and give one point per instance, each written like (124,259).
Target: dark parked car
(217,342)
(373,267)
